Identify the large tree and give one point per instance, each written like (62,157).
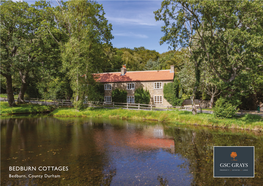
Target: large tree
(225,34)
(38,51)
(88,35)
(12,30)
(26,48)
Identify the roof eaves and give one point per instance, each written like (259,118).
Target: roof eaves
(132,71)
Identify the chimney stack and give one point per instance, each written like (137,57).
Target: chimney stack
(123,70)
(172,69)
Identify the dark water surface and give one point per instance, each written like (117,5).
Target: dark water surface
(112,152)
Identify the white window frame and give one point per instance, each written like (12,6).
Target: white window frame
(107,86)
(158,99)
(130,99)
(158,85)
(107,99)
(130,86)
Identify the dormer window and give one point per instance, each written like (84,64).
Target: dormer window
(107,87)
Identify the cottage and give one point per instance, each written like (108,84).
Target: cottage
(152,80)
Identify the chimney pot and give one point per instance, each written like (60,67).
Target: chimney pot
(123,70)
(172,69)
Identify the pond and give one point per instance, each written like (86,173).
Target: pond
(82,151)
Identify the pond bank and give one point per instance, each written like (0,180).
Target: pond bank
(247,122)
(24,109)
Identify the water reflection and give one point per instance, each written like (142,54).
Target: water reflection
(111,152)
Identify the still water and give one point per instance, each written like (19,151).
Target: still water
(56,151)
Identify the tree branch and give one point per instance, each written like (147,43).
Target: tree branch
(53,36)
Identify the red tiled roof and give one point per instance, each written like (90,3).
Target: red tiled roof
(157,75)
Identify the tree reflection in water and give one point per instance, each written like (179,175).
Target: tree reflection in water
(51,142)
(163,181)
(109,152)
(196,145)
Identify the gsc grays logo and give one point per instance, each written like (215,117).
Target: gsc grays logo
(234,162)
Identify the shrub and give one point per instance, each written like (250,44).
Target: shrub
(224,109)
(142,96)
(251,118)
(95,92)
(173,93)
(26,96)
(119,95)
(79,104)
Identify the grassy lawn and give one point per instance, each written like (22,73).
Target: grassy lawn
(5,96)
(23,108)
(209,109)
(252,122)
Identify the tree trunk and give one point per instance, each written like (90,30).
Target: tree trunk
(194,111)
(200,106)
(9,90)
(211,101)
(22,91)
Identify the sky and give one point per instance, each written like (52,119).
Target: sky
(133,23)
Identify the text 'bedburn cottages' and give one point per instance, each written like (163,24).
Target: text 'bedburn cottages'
(152,80)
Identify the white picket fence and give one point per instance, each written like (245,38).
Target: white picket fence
(69,103)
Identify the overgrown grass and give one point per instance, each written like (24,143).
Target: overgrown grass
(23,108)
(5,96)
(248,121)
(47,100)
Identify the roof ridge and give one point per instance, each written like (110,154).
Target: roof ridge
(132,71)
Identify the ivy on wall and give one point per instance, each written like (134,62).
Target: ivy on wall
(119,95)
(142,96)
(96,92)
(173,92)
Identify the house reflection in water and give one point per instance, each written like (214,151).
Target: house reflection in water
(148,137)
(152,137)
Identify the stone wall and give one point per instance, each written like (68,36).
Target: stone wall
(145,85)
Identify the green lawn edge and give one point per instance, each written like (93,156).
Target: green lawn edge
(27,108)
(170,117)
(175,116)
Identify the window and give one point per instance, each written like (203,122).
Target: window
(107,87)
(158,99)
(107,98)
(158,132)
(130,86)
(130,99)
(158,85)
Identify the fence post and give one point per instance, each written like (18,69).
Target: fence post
(127,106)
(62,102)
(138,106)
(113,104)
(151,107)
